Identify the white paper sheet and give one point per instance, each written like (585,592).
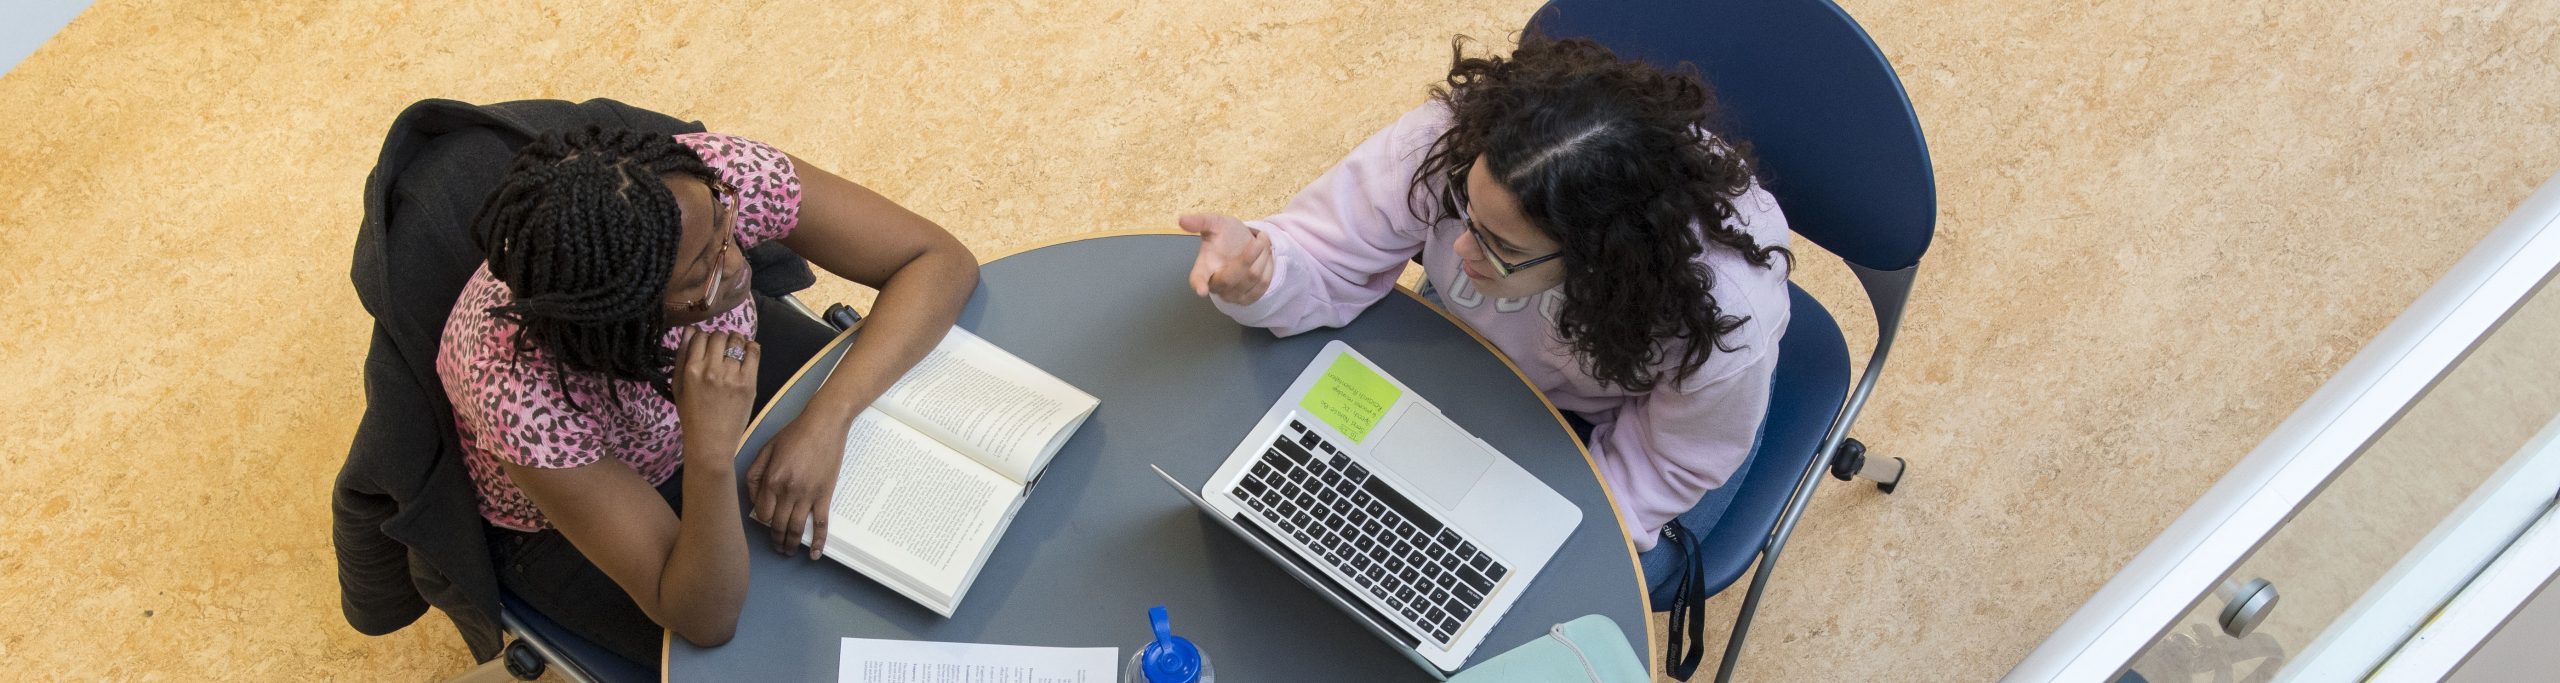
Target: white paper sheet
(866,660)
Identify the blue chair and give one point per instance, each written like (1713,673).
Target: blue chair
(1839,146)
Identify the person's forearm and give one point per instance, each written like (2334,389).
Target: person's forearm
(917,305)
(705,581)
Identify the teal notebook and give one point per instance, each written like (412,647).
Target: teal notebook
(1590,648)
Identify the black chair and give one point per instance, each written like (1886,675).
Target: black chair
(1839,146)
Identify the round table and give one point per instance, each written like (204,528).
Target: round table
(1102,538)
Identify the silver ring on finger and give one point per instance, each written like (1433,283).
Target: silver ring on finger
(736,353)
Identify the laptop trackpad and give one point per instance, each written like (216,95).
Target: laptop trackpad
(1433,455)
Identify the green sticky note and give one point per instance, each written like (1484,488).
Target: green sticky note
(1351,397)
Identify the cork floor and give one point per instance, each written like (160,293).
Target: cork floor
(2162,225)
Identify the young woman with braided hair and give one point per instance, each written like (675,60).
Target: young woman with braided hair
(1573,210)
(603,364)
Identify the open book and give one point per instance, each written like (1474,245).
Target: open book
(934,470)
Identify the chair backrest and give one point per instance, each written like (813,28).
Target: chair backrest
(1836,138)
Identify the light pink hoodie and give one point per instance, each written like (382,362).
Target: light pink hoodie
(1339,245)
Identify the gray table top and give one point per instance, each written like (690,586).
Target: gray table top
(1102,538)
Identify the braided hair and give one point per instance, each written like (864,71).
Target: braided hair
(584,233)
(1612,160)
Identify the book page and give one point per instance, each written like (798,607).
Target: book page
(988,404)
(867,660)
(917,507)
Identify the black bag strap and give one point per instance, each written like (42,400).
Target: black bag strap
(1688,608)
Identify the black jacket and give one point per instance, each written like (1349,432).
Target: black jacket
(407,530)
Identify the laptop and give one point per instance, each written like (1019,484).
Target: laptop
(1362,490)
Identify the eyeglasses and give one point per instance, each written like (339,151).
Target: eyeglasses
(725,221)
(1501,268)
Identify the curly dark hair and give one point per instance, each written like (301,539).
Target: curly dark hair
(584,233)
(1612,159)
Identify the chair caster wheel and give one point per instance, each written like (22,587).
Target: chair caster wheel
(522,662)
(1846,462)
(1851,462)
(842,317)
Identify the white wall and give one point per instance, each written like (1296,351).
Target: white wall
(26,24)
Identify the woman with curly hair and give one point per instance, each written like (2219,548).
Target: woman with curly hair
(1573,209)
(603,363)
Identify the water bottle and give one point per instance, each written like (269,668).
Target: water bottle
(1169,659)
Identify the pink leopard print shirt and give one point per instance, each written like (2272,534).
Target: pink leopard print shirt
(509,406)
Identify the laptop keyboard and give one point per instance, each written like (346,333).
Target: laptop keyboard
(1404,557)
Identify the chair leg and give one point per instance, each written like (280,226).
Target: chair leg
(1760,580)
(1741,626)
(1852,462)
(1797,502)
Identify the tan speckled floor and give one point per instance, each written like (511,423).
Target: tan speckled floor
(2162,225)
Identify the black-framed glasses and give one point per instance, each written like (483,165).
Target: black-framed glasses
(724,219)
(1501,268)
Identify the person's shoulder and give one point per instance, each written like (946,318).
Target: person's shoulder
(1737,353)
(1412,134)
(469,326)
(478,353)
(732,154)
(1756,213)
(767,181)
(715,140)
(1757,297)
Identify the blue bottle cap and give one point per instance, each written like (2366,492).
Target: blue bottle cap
(1171,658)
